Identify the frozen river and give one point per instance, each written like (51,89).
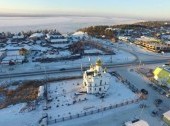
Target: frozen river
(63,24)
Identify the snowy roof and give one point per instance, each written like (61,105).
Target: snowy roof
(2,53)
(53,35)
(27,47)
(38,35)
(137,123)
(59,45)
(38,47)
(58,40)
(109,29)
(167,115)
(166,36)
(9,47)
(144,38)
(79,34)
(18,37)
(16,58)
(12,53)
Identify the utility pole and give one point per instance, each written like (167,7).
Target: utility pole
(81,68)
(45,85)
(111,58)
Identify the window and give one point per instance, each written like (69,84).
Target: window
(95,89)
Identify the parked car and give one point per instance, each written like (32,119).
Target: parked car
(144,91)
(62,69)
(155,87)
(157,102)
(150,84)
(154,113)
(45,108)
(162,92)
(142,105)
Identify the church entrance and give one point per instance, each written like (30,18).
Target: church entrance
(100,89)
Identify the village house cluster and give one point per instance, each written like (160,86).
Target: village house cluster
(36,46)
(156,39)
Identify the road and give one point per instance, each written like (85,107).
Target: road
(3,76)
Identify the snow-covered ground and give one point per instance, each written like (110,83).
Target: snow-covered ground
(139,49)
(63,24)
(93,51)
(11,116)
(63,95)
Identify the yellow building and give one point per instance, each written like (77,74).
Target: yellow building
(166,117)
(162,75)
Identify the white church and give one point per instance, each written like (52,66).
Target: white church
(96,79)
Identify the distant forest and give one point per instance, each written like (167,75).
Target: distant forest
(100,31)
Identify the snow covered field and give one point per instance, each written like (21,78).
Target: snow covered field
(63,24)
(63,95)
(11,116)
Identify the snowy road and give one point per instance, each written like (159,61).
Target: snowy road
(78,69)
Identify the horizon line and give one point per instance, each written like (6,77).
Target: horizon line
(81,15)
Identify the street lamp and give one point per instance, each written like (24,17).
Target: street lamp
(45,71)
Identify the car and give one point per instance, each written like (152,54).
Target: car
(45,108)
(142,106)
(157,102)
(162,92)
(62,69)
(144,91)
(150,84)
(167,64)
(155,87)
(154,113)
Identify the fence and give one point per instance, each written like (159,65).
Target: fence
(126,82)
(92,112)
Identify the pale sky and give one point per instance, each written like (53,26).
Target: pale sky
(156,9)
